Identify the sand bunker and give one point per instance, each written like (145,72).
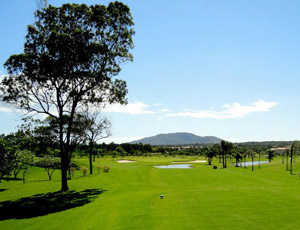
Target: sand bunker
(125,161)
(196,161)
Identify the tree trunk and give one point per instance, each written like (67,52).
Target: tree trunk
(223,160)
(291,164)
(91,152)
(287,161)
(64,171)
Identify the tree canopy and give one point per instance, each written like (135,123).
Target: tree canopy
(71,55)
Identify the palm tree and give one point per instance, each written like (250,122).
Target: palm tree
(252,158)
(226,149)
(210,154)
(247,153)
(237,155)
(287,159)
(270,154)
(259,154)
(294,147)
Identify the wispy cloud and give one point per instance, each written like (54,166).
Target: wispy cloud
(130,108)
(234,110)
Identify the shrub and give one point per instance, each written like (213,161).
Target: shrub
(72,169)
(106,169)
(84,170)
(98,167)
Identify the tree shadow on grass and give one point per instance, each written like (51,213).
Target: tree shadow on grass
(43,204)
(2,189)
(10,178)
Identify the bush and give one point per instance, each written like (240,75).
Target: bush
(106,169)
(72,170)
(84,170)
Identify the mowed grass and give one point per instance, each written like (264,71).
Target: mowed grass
(128,197)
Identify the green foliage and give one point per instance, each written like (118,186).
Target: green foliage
(121,151)
(113,154)
(6,159)
(106,169)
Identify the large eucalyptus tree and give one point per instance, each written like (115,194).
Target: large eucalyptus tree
(71,55)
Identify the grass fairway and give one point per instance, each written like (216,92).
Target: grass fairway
(128,197)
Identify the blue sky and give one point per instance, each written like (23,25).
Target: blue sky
(230,69)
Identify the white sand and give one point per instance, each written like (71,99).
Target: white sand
(125,161)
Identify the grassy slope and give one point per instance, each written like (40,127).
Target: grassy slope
(199,198)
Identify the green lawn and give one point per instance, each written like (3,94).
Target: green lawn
(128,197)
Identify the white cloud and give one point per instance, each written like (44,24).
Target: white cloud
(157,104)
(160,118)
(165,110)
(234,110)
(5,110)
(130,108)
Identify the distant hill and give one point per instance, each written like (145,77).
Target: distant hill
(177,139)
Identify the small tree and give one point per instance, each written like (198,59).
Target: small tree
(95,128)
(19,162)
(49,163)
(121,151)
(26,159)
(84,170)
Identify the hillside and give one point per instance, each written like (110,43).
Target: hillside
(177,139)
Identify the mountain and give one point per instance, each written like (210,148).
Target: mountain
(177,139)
